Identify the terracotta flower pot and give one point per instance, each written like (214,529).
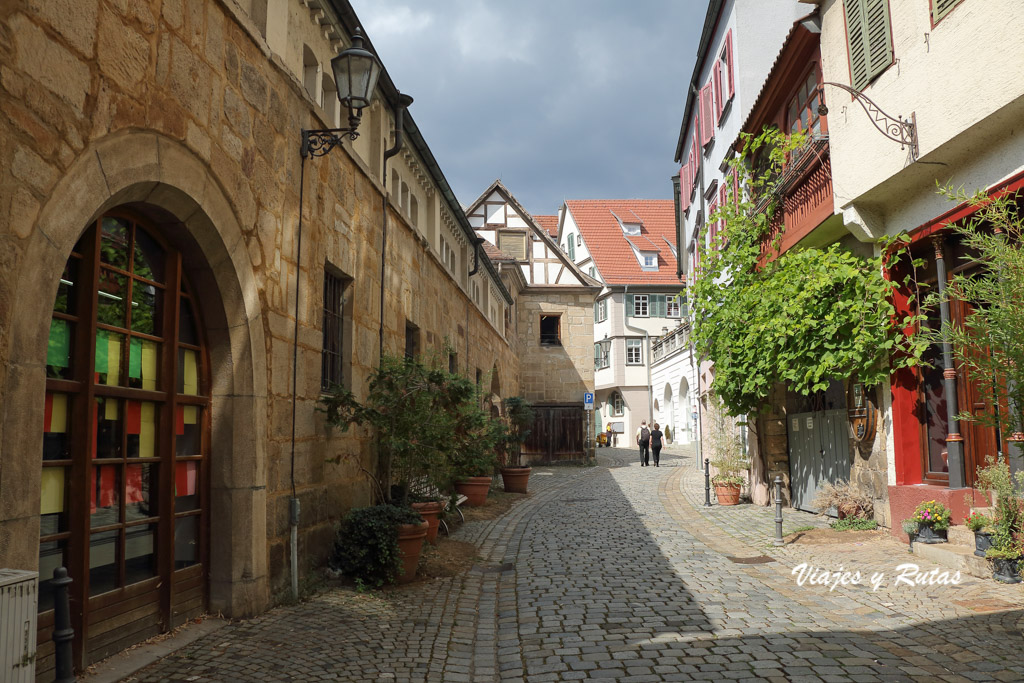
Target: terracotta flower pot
(515,479)
(410,544)
(474,489)
(728,494)
(431,512)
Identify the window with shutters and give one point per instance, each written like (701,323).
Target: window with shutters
(571,248)
(601,311)
(638,307)
(673,309)
(513,244)
(728,80)
(719,100)
(659,305)
(602,354)
(634,351)
(707,114)
(869,38)
(940,8)
(615,405)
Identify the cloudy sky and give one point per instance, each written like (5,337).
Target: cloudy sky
(561,99)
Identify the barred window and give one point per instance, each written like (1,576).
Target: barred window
(332,371)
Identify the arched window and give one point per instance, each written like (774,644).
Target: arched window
(329,100)
(615,405)
(126,437)
(311,74)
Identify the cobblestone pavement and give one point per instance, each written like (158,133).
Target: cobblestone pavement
(618,572)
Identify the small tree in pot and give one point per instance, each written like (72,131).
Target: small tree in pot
(513,429)
(474,437)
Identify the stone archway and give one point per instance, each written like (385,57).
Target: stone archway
(148,170)
(686,409)
(669,411)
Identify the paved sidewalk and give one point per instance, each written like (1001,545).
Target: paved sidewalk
(618,572)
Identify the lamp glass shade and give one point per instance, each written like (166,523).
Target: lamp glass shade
(355,72)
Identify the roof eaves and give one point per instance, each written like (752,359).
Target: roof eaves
(710,22)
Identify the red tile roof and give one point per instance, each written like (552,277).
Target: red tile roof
(610,248)
(494,253)
(549,223)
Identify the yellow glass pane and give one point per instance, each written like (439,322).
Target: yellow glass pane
(52,491)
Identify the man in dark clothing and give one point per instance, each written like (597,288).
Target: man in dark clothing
(657,441)
(643,440)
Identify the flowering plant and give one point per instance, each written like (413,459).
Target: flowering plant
(932,514)
(976,521)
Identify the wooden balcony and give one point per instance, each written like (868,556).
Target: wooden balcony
(804,192)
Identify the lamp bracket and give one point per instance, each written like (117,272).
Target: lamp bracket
(893,127)
(318,142)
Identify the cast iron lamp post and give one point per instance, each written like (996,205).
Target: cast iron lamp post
(355,73)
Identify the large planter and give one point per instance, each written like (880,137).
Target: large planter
(982,542)
(410,544)
(926,534)
(1005,571)
(515,479)
(727,494)
(431,513)
(474,489)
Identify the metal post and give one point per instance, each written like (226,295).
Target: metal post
(707,483)
(62,631)
(954,441)
(778,511)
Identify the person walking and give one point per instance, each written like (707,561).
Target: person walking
(610,435)
(657,441)
(643,440)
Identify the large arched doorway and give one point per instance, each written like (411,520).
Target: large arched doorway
(686,411)
(124,484)
(669,413)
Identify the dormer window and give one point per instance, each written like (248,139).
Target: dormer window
(631,225)
(648,260)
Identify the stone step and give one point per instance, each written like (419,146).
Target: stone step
(955,557)
(960,535)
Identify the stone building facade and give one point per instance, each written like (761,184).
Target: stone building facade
(150,167)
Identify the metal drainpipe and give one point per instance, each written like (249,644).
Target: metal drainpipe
(403,103)
(700,411)
(647,343)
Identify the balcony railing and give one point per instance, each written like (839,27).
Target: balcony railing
(670,344)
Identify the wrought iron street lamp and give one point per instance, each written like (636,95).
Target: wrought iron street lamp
(355,73)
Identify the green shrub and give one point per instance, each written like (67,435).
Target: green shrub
(366,547)
(854,524)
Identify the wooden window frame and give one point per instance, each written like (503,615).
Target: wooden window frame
(632,343)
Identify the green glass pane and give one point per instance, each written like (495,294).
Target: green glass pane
(109,351)
(114,242)
(58,349)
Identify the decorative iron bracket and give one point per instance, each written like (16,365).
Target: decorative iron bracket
(893,127)
(318,142)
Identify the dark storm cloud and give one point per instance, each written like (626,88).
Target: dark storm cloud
(560,98)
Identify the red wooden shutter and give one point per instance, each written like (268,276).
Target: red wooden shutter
(684,188)
(736,185)
(719,101)
(713,223)
(707,114)
(728,64)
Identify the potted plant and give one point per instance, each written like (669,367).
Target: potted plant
(512,432)
(379,544)
(729,478)
(473,439)
(932,520)
(1006,560)
(979,524)
(910,529)
(846,500)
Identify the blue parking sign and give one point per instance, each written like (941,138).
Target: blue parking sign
(588,400)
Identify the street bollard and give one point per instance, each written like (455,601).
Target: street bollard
(707,483)
(62,631)
(778,511)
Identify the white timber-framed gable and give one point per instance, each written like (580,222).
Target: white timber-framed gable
(499,218)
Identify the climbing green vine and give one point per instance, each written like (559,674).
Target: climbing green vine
(804,318)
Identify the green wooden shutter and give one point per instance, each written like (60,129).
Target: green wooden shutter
(659,307)
(940,8)
(597,312)
(597,355)
(629,305)
(869,39)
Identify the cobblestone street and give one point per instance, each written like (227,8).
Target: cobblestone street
(618,572)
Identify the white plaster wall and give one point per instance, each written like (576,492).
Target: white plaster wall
(951,77)
(672,371)
(759,28)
